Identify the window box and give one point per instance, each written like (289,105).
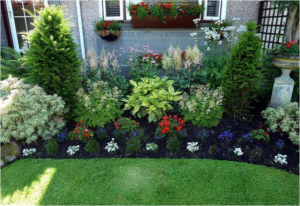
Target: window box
(182,21)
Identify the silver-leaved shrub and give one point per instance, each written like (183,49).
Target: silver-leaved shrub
(28,112)
(284,118)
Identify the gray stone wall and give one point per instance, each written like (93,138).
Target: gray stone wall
(243,9)
(4,42)
(71,13)
(90,13)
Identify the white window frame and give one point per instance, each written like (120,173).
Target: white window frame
(13,24)
(102,11)
(221,12)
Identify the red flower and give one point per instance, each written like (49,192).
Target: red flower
(183,54)
(80,121)
(288,45)
(167,129)
(259,126)
(175,117)
(213,22)
(182,12)
(86,135)
(266,133)
(182,122)
(186,7)
(133,12)
(115,124)
(163,131)
(133,7)
(118,127)
(179,128)
(174,126)
(76,130)
(165,117)
(161,124)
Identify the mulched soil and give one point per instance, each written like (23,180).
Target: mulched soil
(238,127)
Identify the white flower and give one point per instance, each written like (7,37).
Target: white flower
(208,48)
(193,34)
(112,146)
(73,149)
(192,146)
(205,43)
(151,147)
(279,158)
(238,151)
(10,158)
(27,152)
(220,42)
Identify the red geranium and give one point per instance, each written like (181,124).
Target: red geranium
(179,128)
(86,135)
(163,131)
(182,12)
(167,129)
(288,45)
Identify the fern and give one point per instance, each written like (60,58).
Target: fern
(11,61)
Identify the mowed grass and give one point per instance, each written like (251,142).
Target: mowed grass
(145,181)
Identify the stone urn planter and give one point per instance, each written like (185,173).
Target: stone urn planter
(109,35)
(284,85)
(181,21)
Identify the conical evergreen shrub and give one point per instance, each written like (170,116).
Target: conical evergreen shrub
(240,79)
(52,58)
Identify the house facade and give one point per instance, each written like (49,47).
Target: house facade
(83,13)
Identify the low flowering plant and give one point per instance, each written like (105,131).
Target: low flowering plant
(280,144)
(171,126)
(113,26)
(126,124)
(151,147)
(81,133)
(192,147)
(287,48)
(112,146)
(260,134)
(238,151)
(161,10)
(28,152)
(281,159)
(246,138)
(203,134)
(226,135)
(73,149)
(61,137)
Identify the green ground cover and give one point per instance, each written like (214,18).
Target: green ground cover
(145,181)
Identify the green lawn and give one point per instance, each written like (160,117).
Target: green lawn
(145,181)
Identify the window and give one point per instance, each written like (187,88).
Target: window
(111,9)
(20,21)
(215,10)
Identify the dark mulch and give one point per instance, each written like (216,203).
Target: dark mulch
(238,127)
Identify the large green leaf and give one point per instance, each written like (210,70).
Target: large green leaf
(136,109)
(151,117)
(171,90)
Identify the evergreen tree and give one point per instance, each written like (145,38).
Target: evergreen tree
(52,59)
(240,79)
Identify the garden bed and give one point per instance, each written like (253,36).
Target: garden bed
(225,148)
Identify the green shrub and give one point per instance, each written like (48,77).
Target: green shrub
(284,118)
(98,106)
(52,147)
(91,146)
(240,75)
(126,124)
(52,59)
(203,108)
(151,97)
(133,145)
(28,112)
(173,144)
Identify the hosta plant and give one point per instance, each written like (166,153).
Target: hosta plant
(284,118)
(204,107)
(27,112)
(152,97)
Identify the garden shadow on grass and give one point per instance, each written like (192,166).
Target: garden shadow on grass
(28,186)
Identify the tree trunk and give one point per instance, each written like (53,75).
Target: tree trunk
(289,25)
(296,35)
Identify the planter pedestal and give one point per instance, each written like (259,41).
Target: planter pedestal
(283,85)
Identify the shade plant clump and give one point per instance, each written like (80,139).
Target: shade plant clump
(52,59)
(204,107)
(152,97)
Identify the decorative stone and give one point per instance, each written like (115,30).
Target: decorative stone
(284,85)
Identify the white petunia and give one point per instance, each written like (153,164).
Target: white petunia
(238,151)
